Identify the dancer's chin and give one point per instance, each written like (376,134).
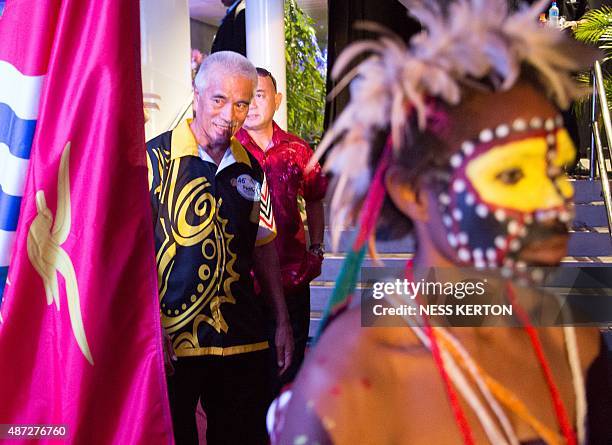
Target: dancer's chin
(546,252)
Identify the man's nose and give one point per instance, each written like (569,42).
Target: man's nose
(227,113)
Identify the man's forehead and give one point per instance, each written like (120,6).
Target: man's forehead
(229,84)
(264,83)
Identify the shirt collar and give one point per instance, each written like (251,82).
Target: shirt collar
(278,134)
(234,5)
(227,160)
(184,144)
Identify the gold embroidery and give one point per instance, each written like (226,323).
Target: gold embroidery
(195,202)
(159,159)
(167,251)
(47,256)
(186,351)
(193,197)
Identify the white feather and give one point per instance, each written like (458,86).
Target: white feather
(474,40)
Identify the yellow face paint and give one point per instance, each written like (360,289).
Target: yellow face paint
(515,175)
(566,152)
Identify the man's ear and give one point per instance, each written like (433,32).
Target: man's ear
(408,201)
(278,97)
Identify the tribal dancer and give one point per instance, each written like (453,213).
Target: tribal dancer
(473,167)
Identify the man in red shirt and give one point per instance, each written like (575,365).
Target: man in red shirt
(284,158)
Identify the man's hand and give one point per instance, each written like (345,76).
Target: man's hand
(169,354)
(284,345)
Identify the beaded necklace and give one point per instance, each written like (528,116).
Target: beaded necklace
(442,343)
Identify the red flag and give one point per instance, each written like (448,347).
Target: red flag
(80,340)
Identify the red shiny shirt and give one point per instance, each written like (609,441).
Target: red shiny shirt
(284,163)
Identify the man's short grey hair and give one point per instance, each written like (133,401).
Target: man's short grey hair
(223,63)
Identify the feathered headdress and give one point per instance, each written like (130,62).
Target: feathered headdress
(468,43)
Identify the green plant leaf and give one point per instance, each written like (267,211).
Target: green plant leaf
(305,83)
(594,24)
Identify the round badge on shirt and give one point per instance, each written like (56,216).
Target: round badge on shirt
(248,188)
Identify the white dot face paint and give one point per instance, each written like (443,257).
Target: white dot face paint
(513,227)
(463,238)
(491,254)
(468,148)
(535,123)
(486,135)
(455,160)
(519,125)
(500,215)
(464,255)
(549,124)
(502,131)
(500,242)
(457,214)
(459,186)
(479,263)
(482,211)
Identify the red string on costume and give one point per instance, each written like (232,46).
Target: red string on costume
(374,201)
(560,411)
(458,413)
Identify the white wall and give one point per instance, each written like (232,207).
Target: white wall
(202,35)
(166,60)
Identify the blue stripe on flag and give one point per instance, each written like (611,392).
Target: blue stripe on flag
(9,211)
(3,274)
(15,132)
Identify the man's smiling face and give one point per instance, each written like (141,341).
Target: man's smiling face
(222,107)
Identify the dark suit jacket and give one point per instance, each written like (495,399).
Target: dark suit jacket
(231,35)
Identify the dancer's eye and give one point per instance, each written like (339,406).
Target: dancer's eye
(511,175)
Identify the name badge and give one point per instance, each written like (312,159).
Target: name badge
(248,188)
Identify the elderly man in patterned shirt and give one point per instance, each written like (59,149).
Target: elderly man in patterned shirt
(213,225)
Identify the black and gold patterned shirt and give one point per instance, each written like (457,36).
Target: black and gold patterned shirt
(208,219)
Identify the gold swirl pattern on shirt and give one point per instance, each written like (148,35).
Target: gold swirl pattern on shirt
(193,214)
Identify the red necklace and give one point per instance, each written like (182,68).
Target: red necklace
(560,411)
(459,414)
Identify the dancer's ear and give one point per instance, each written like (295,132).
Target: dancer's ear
(408,199)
